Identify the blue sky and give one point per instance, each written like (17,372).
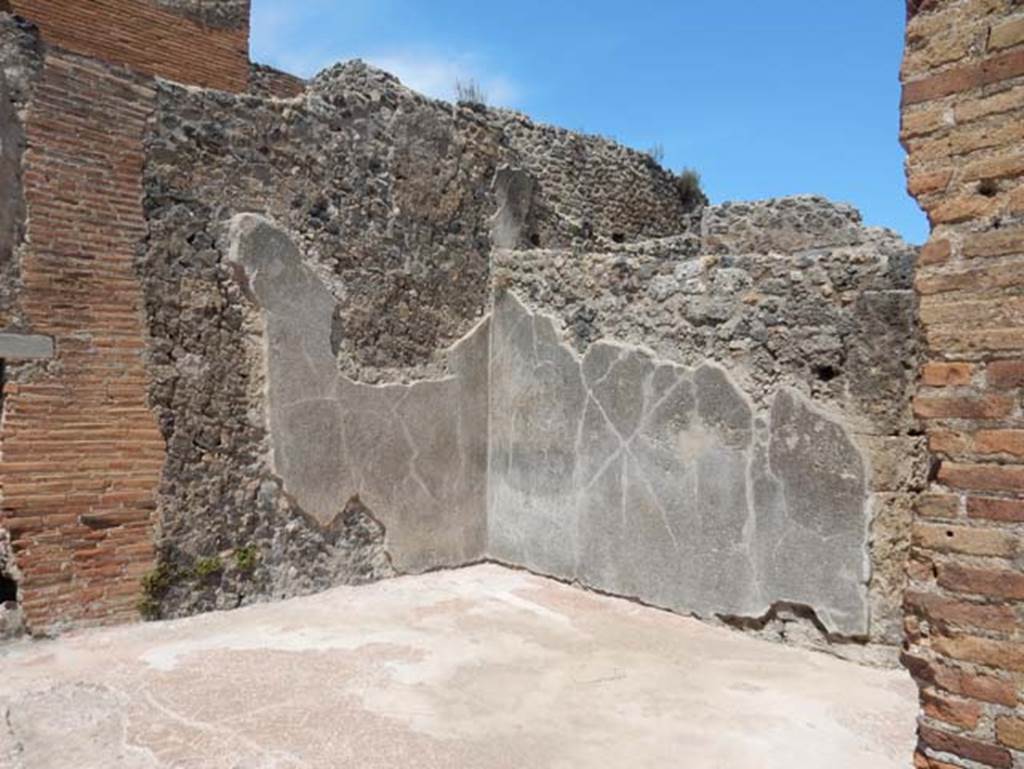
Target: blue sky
(763,98)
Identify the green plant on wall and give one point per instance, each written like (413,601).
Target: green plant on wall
(206,566)
(688,185)
(155,585)
(246,558)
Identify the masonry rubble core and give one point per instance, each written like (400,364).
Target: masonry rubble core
(234,372)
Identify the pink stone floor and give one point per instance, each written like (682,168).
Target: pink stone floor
(480,667)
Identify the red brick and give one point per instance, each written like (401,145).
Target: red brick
(920,568)
(1010,732)
(1005,374)
(63,458)
(1000,442)
(995,583)
(928,182)
(993,509)
(1003,655)
(938,506)
(1015,201)
(1006,34)
(953,710)
(987,477)
(935,252)
(999,242)
(965,539)
(949,442)
(149,39)
(922,761)
(922,122)
(999,103)
(960,209)
(939,609)
(942,374)
(975,278)
(964,78)
(975,750)
(994,168)
(986,688)
(966,407)
(969,340)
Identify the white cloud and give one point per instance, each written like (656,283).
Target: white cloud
(436,74)
(296,37)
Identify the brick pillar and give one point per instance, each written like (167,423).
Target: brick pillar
(82,454)
(963,129)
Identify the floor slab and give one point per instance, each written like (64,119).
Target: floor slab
(480,667)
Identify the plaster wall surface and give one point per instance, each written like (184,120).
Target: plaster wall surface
(416,453)
(641,477)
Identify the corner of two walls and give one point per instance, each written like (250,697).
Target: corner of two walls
(613,467)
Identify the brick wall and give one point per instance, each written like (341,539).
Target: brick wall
(267,81)
(963,129)
(147,37)
(81,451)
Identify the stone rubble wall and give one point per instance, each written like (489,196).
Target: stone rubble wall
(21,61)
(963,130)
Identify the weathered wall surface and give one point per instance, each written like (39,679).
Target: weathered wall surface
(392,233)
(743,439)
(963,129)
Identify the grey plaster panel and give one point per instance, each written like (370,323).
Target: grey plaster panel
(25,347)
(414,454)
(643,478)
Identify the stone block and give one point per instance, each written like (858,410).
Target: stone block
(1006,34)
(25,347)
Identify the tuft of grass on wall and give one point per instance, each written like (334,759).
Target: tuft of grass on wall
(689,189)
(469,92)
